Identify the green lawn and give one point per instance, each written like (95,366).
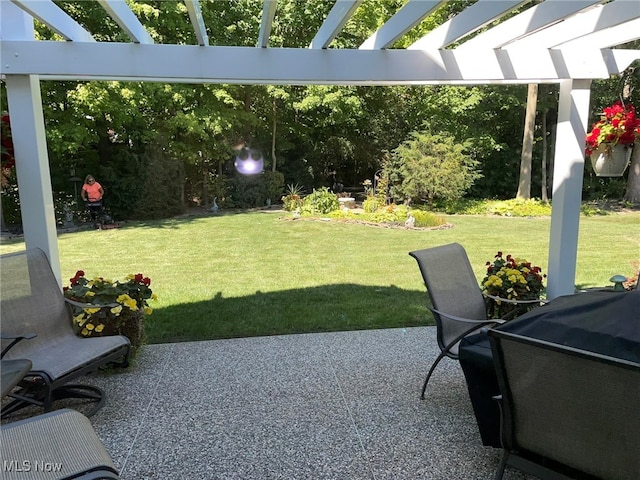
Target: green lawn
(262,273)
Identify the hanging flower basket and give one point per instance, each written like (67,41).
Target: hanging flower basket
(610,161)
(611,139)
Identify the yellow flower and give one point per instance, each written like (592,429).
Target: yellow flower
(91,311)
(90,294)
(89,326)
(100,327)
(148,310)
(116,310)
(85,332)
(127,301)
(154,296)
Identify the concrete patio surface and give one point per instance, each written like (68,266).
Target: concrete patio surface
(342,405)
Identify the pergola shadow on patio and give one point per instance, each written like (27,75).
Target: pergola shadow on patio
(343,405)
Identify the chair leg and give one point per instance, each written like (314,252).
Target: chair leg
(502,465)
(90,393)
(433,367)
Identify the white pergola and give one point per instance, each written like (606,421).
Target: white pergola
(569,42)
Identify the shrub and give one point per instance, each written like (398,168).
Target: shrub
(274,182)
(427,219)
(520,208)
(321,201)
(430,167)
(249,191)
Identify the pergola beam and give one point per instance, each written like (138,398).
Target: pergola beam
(246,65)
(340,13)
(124,17)
(404,20)
(56,19)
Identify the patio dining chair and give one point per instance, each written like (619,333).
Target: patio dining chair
(566,413)
(457,303)
(33,309)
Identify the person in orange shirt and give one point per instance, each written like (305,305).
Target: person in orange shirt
(92,193)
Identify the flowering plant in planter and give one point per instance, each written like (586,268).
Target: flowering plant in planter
(511,280)
(105,307)
(618,125)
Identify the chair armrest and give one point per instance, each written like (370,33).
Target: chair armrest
(16,339)
(467,320)
(516,302)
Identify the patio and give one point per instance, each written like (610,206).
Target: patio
(341,405)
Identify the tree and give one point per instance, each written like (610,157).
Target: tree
(524,183)
(429,167)
(631,81)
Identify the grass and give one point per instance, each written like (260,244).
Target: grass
(262,273)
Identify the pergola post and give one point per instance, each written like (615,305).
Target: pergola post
(32,166)
(573,116)
(30,145)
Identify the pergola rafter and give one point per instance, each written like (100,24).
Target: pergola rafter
(124,17)
(56,19)
(335,21)
(195,14)
(569,42)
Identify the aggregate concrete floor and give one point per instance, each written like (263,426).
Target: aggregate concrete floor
(342,405)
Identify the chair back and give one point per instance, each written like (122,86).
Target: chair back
(30,293)
(453,289)
(574,407)
(32,302)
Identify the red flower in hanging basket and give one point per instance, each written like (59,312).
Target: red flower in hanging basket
(618,125)
(6,144)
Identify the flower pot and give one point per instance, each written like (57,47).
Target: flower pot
(103,323)
(610,161)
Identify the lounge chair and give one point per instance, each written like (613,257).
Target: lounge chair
(54,446)
(33,307)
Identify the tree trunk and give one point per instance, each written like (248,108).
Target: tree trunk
(632,193)
(273,138)
(524,184)
(544,194)
(205,184)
